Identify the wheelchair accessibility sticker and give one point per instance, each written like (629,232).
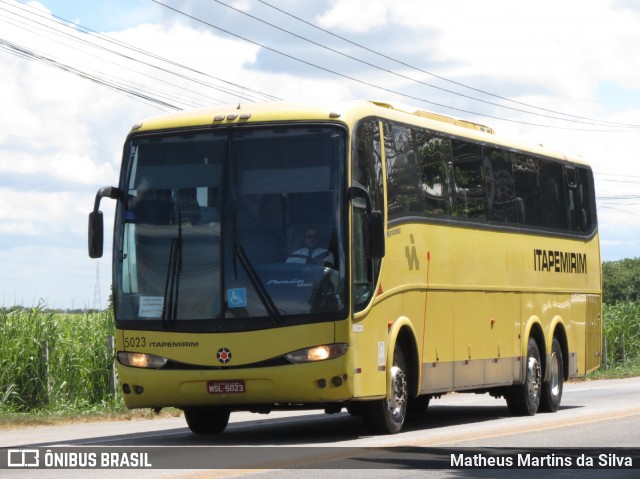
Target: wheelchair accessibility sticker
(237,298)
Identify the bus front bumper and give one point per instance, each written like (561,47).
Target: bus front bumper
(238,389)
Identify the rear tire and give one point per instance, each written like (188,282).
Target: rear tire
(206,420)
(552,389)
(524,399)
(386,416)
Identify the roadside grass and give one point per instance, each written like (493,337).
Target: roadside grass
(12,420)
(55,368)
(617,371)
(54,362)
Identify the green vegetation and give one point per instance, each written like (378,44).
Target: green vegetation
(621,280)
(56,364)
(621,318)
(621,340)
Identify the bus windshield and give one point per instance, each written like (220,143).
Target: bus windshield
(242,224)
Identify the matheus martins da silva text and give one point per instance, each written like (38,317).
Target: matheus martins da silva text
(544,461)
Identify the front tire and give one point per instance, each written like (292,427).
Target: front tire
(552,389)
(206,420)
(386,416)
(524,399)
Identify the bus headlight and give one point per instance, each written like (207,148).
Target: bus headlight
(317,353)
(141,360)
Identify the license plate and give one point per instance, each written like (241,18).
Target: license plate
(226,387)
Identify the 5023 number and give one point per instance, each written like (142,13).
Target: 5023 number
(135,342)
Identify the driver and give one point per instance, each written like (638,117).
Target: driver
(311,253)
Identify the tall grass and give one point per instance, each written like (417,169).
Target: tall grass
(54,361)
(621,333)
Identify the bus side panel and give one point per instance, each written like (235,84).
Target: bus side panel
(370,346)
(469,342)
(502,313)
(593,347)
(574,320)
(485,337)
(437,352)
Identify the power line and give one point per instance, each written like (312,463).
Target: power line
(363,82)
(400,62)
(95,78)
(235,89)
(160,93)
(406,77)
(167,96)
(619,210)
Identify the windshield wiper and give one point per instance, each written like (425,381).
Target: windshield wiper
(172,283)
(263,294)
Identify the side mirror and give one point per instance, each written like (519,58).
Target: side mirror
(96,223)
(96,234)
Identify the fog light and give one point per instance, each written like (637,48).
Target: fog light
(138,389)
(337,381)
(126,388)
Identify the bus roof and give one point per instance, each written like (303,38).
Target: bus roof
(343,111)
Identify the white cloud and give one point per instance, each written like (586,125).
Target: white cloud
(61,136)
(357,16)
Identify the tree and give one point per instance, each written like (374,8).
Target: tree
(621,280)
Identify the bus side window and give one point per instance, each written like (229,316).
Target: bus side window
(362,277)
(366,171)
(501,199)
(586,197)
(469,180)
(433,174)
(526,178)
(578,198)
(367,161)
(554,202)
(574,215)
(403,196)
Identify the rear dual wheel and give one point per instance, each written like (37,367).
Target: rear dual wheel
(535,395)
(552,389)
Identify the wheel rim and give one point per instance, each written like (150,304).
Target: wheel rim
(555,375)
(397,403)
(534,377)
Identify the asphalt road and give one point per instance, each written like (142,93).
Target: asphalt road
(598,420)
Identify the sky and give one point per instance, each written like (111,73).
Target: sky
(75,76)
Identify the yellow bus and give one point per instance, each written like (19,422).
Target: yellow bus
(351,255)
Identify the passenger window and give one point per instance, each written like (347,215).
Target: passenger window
(586,197)
(526,178)
(501,198)
(434,160)
(367,161)
(468,180)
(554,202)
(403,196)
